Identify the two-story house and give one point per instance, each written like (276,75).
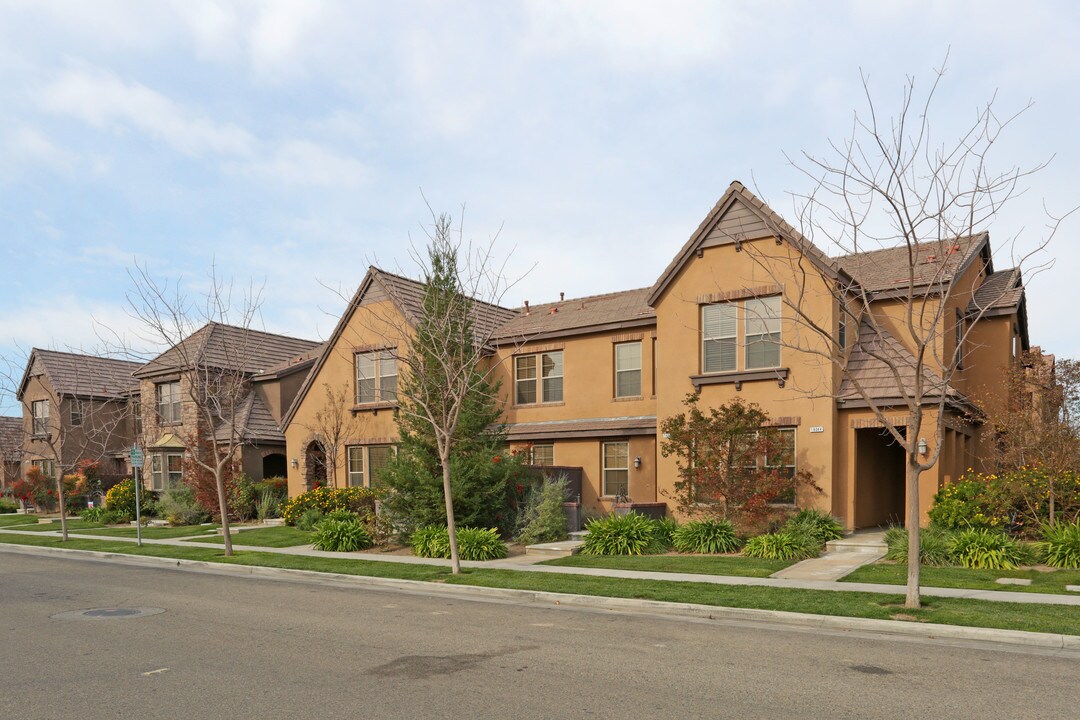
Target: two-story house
(585,380)
(77,407)
(181,386)
(11,442)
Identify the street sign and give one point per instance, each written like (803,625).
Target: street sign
(136,455)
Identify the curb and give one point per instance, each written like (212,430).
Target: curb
(930,631)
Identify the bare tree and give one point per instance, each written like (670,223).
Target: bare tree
(891,184)
(335,425)
(214,371)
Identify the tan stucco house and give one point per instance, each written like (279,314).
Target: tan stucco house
(585,380)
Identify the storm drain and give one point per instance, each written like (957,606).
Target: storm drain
(113,613)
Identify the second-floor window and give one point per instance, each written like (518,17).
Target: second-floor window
(719,341)
(136,418)
(761,335)
(376,377)
(628,369)
(958,339)
(763,332)
(76,413)
(538,378)
(168,401)
(40,410)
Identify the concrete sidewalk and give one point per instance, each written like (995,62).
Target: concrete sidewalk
(523,565)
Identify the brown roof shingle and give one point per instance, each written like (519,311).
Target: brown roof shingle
(585,427)
(254,421)
(1001,290)
(11,435)
(628,306)
(86,375)
(935,261)
(228,347)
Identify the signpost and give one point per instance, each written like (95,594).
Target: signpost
(136,456)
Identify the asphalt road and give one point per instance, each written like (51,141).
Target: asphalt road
(249,648)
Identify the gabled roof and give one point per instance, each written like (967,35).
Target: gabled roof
(936,262)
(629,307)
(407,296)
(227,347)
(294,364)
(255,423)
(1000,291)
(87,376)
(867,365)
(11,435)
(765,223)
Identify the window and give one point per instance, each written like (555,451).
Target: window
(76,413)
(550,389)
(356,466)
(47,467)
(166,471)
(616,458)
(763,332)
(376,377)
(40,410)
(841,334)
(719,344)
(782,460)
(136,418)
(168,401)
(365,471)
(628,369)
(654,367)
(542,455)
(958,339)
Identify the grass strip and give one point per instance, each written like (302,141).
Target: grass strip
(950,611)
(276,537)
(952,577)
(696,564)
(154,533)
(9,519)
(73,524)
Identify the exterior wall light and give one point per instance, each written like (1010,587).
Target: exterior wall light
(295,464)
(637,462)
(922,446)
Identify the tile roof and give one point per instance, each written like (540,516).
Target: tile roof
(86,375)
(633,425)
(935,261)
(1001,290)
(228,347)
(11,435)
(619,307)
(255,422)
(296,362)
(869,365)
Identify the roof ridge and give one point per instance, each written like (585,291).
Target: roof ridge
(588,297)
(83,355)
(217,324)
(423,284)
(923,243)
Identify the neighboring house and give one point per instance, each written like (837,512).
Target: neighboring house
(11,442)
(271,368)
(584,380)
(77,407)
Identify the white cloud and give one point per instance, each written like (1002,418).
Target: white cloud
(26,148)
(302,162)
(104,101)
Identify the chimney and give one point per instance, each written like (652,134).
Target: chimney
(526,307)
(562,296)
(554,310)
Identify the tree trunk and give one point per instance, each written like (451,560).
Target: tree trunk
(224,509)
(913,599)
(63,507)
(451,526)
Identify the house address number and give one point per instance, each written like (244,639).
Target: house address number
(817,429)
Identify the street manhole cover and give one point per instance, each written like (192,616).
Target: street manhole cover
(107,613)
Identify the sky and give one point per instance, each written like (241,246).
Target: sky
(293,144)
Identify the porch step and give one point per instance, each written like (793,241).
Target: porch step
(579,535)
(565,548)
(872,541)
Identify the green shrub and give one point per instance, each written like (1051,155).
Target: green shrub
(104,516)
(1061,545)
(121,498)
(309,519)
(339,534)
(355,499)
(473,543)
(179,507)
(544,517)
(934,545)
(630,534)
(782,545)
(7,505)
(268,505)
(706,536)
(663,537)
(981,548)
(820,526)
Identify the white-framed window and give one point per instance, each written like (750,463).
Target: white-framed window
(628,369)
(40,411)
(47,467)
(366,463)
(76,413)
(542,455)
(538,378)
(719,344)
(958,339)
(780,459)
(841,329)
(166,471)
(616,468)
(356,465)
(376,377)
(763,332)
(136,418)
(168,401)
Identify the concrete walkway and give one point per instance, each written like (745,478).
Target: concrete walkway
(842,557)
(524,564)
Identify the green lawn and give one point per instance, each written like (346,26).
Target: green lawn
(276,537)
(953,577)
(73,524)
(952,611)
(698,564)
(154,533)
(9,519)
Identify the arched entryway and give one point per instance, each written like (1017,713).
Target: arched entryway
(274,465)
(315,465)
